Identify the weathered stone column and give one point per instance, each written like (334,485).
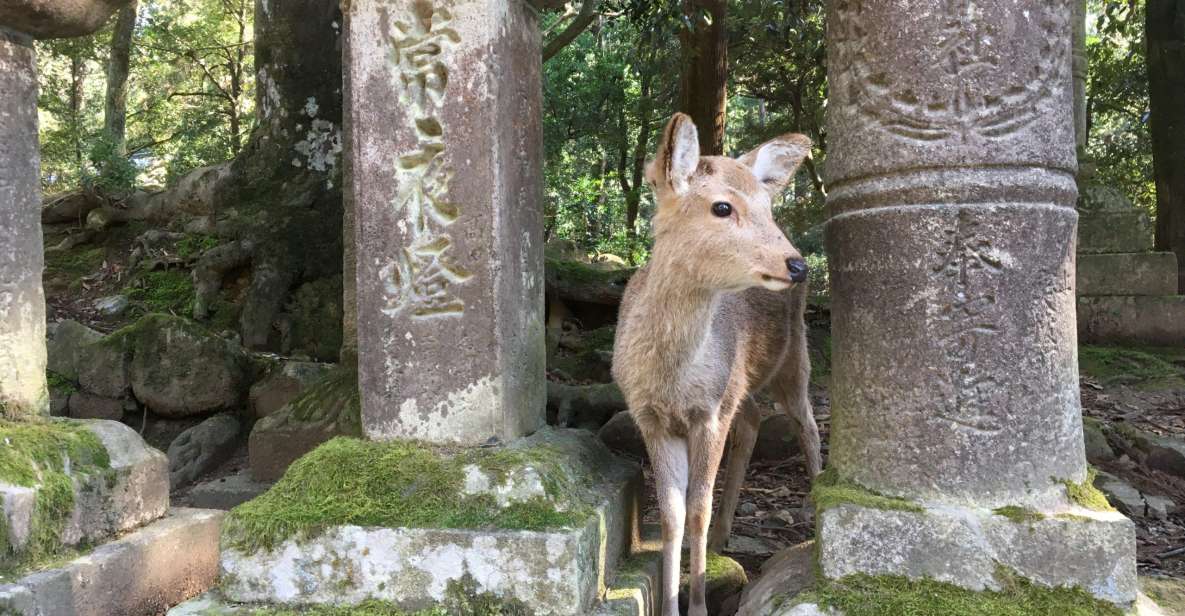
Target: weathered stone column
(951,240)
(1080,65)
(22,302)
(443,105)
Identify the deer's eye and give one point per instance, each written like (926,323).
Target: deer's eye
(723,209)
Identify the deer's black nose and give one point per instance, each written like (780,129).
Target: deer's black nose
(798,269)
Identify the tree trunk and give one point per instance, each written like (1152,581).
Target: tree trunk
(285,184)
(77,80)
(703,91)
(115,109)
(1166,97)
(633,191)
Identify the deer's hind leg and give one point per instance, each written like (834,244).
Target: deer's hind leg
(791,389)
(740,448)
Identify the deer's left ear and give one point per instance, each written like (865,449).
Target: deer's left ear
(775,161)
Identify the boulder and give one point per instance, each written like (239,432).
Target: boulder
(202,448)
(112,305)
(621,435)
(777,439)
(103,367)
(725,580)
(179,369)
(1162,453)
(72,207)
(584,406)
(281,385)
(64,346)
(1098,450)
(83,405)
(44,19)
(1130,501)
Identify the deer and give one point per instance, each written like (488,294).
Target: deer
(714,317)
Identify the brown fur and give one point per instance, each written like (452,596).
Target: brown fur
(709,321)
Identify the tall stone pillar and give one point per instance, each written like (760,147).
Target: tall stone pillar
(1080,65)
(22,302)
(951,238)
(443,105)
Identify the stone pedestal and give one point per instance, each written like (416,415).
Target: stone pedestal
(951,240)
(22,302)
(442,110)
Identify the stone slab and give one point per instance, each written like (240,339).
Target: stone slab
(1139,319)
(227,492)
(1113,231)
(57,18)
(142,573)
(1132,273)
(964,546)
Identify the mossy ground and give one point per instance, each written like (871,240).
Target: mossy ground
(865,595)
(830,490)
(167,291)
(64,269)
(38,454)
(348,481)
(1145,366)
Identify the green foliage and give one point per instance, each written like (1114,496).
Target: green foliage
(60,384)
(865,595)
(194,244)
(1109,364)
(168,291)
(830,490)
(394,484)
(110,172)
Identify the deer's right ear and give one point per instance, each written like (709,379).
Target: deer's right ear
(678,156)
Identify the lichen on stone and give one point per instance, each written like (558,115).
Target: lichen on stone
(830,490)
(867,595)
(348,481)
(1019,514)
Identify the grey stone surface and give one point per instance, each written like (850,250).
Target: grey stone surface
(1130,501)
(103,367)
(144,572)
(112,305)
(1162,453)
(552,572)
(202,448)
(227,492)
(179,369)
(22,301)
(446,188)
(777,438)
(964,546)
(1132,273)
(57,18)
(1098,450)
(785,574)
(621,434)
(1110,231)
(954,348)
(83,405)
(1137,319)
(64,347)
(282,385)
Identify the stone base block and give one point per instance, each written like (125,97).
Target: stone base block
(1152,320)
(1117,230)
(143,573)
(1092,550)
(227,492)
(1133,273)
(556,569)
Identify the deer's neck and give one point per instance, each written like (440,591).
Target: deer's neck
(684,330)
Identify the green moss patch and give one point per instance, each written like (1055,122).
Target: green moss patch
(60,384)
(37,454)
(830,490)
(66,268)
(167,291)
(348,481)
(865,595)
(1085,494)
(1019,515)
(1115,364)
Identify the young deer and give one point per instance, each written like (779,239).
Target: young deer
(713,318)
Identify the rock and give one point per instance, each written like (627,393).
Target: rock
(179,369)
(112,305)
(1098,450)
(1130,501)
(282,385)
(72,206)
(1132,319)
(1162,453)
(103,367)
(313,320)
(747,508)
(784,575)
(584,406)
(83,405)
(1132,273)
(144,572)
(777,438)
(64,346)
(227,492)
(621,435)
(44,19)
(202,448)
(725,579)
(59,403)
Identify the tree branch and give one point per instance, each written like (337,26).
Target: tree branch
(588,12)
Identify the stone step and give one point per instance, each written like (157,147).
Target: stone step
(226,492)
(635,589)
(140,574)
(1157,320)
(132,492)
(1131,273)
(1119,230)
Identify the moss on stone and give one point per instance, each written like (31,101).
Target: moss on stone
(830,490)
(1085,494)
(1110,364)
(66,268)
(48,456)
(1020,515)
(866,595)
(194,244)
(348,481)
(166,291)
(59,384)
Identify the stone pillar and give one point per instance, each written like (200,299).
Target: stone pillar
(22,302)
(443,105)
(951,238)
(1080,65)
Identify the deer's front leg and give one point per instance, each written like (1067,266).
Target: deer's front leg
(668,460)
(706,445)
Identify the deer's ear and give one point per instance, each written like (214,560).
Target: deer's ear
(677,158)
(775,161)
